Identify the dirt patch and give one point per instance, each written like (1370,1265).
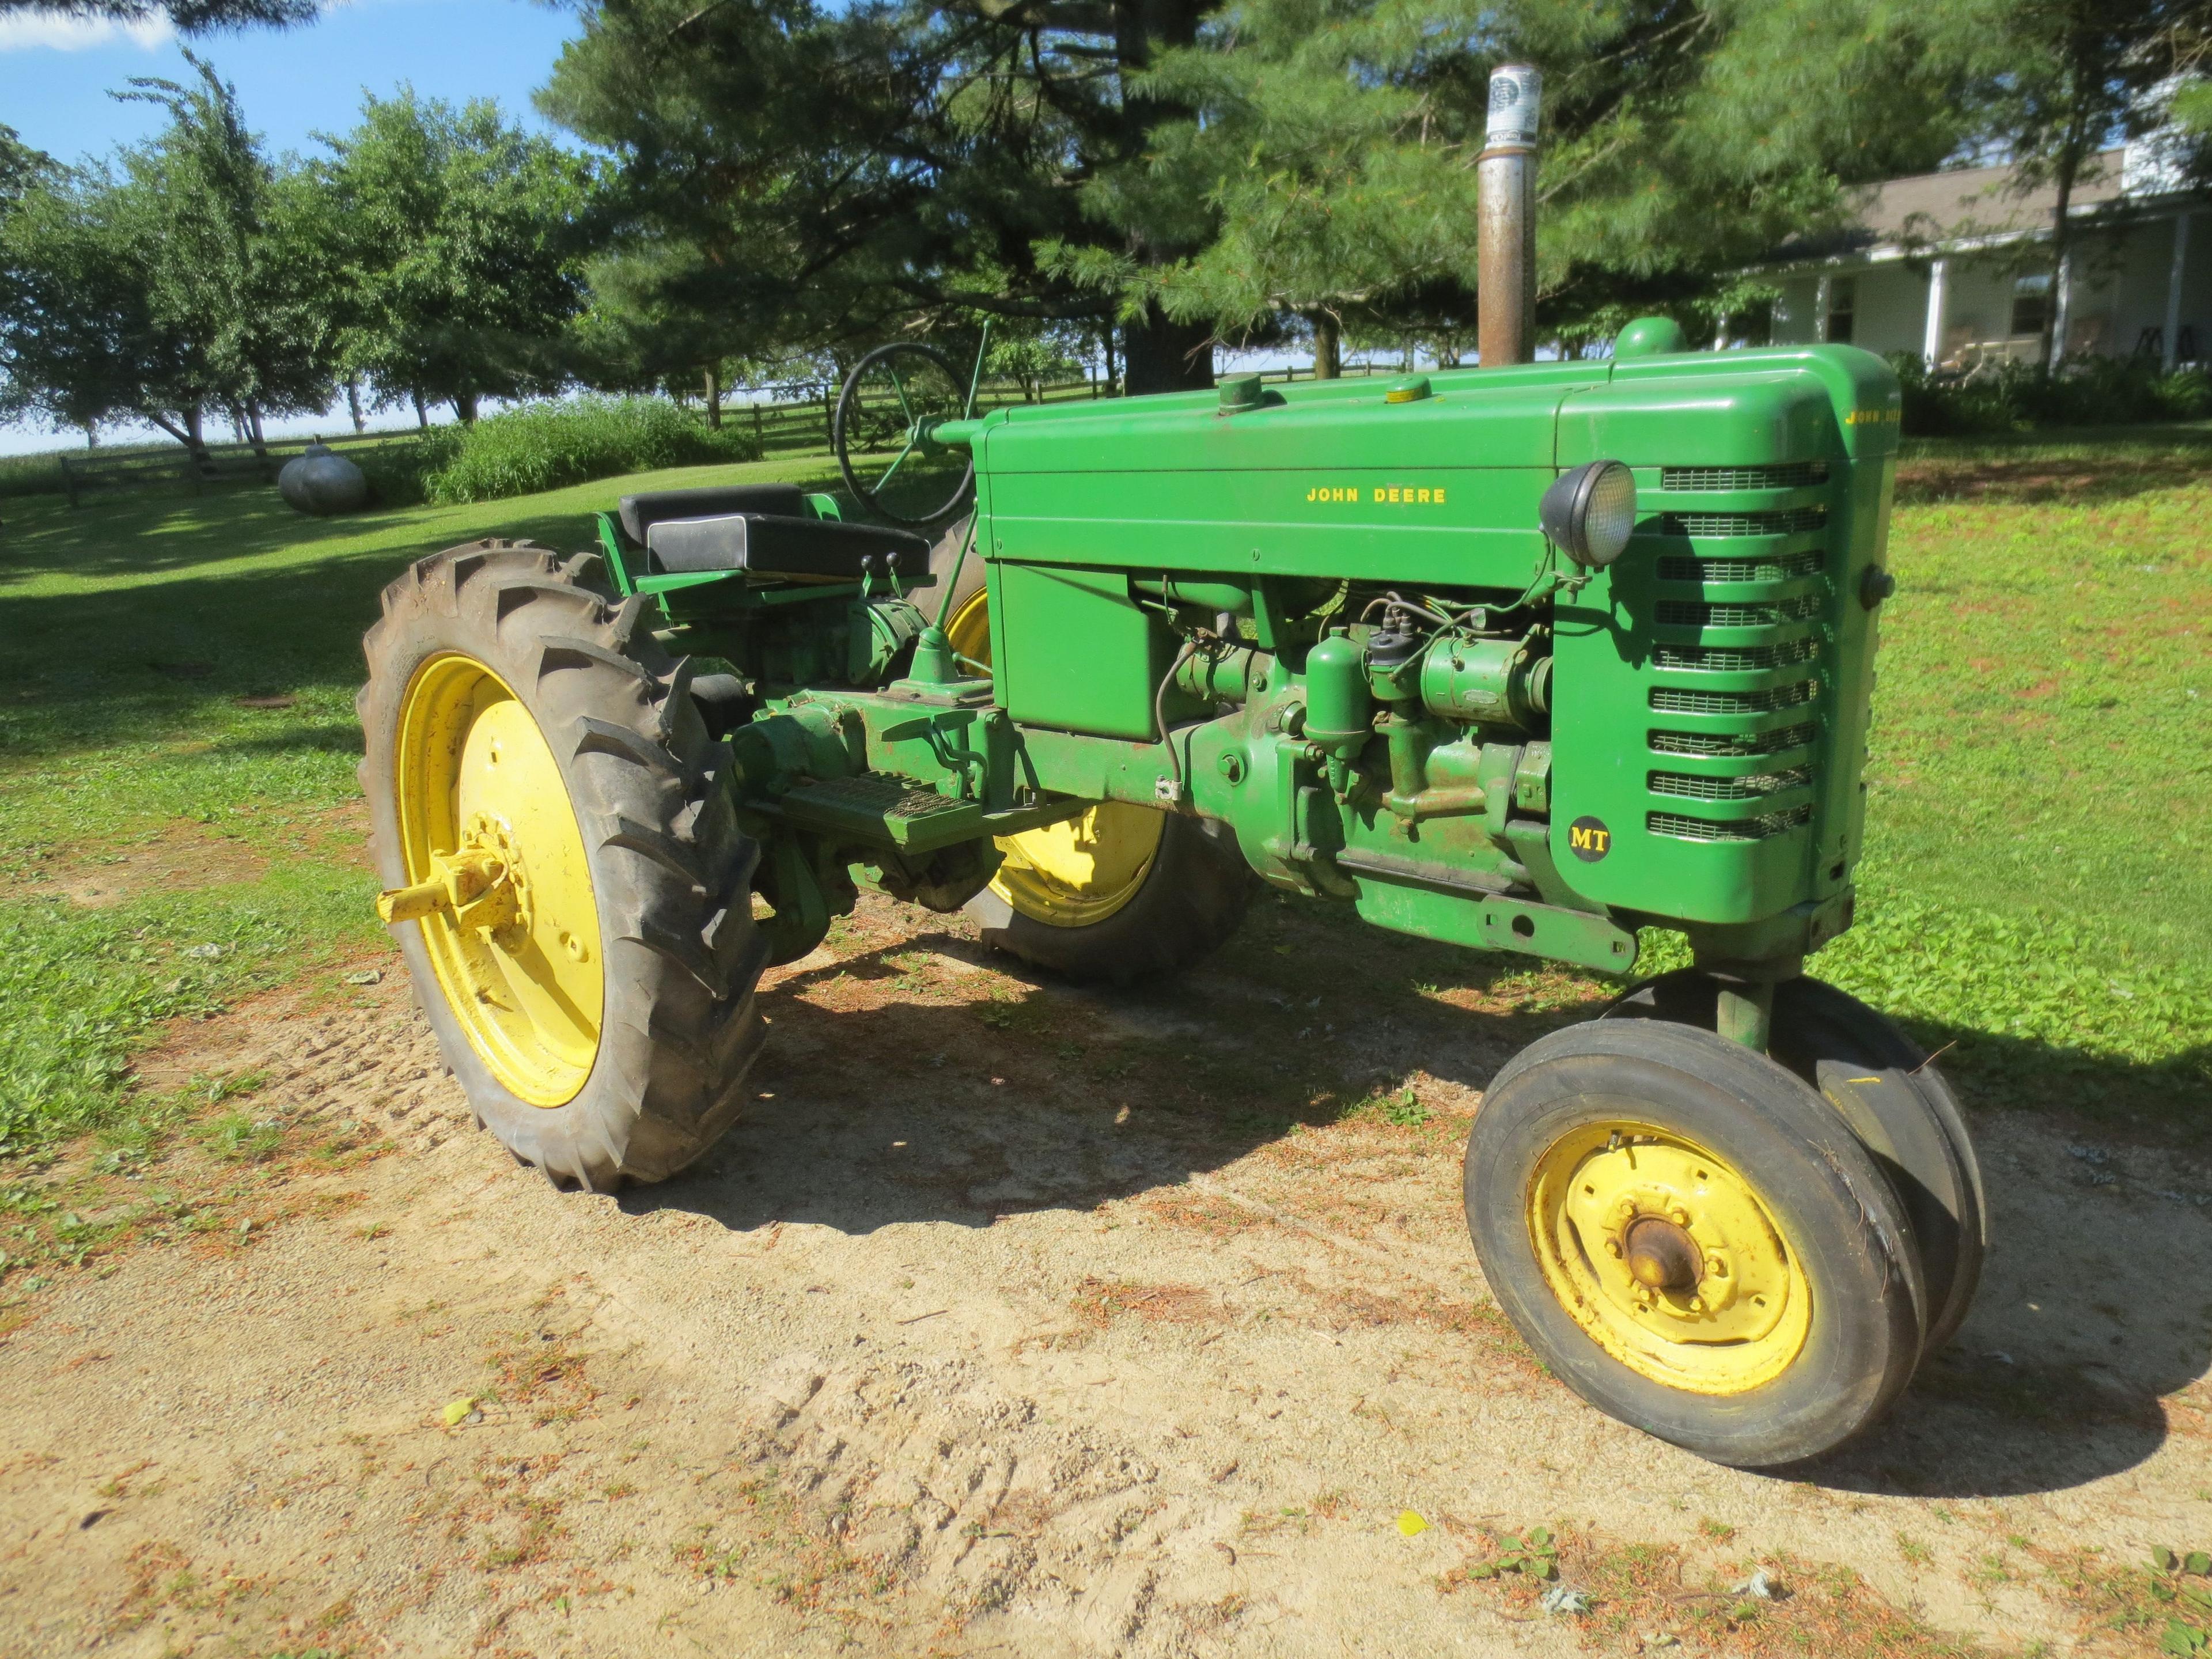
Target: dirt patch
(1014,1319)
(2071,480)
(186,854)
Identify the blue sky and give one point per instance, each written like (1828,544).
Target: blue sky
(55,75)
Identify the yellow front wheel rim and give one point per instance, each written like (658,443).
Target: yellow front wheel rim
(478,790)
(1080,871)
(1668,1259)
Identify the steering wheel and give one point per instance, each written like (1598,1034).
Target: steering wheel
(886,412)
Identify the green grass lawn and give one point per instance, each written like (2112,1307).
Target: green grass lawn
(135,631)
(2034,894)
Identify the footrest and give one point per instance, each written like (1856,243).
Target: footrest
(882,809)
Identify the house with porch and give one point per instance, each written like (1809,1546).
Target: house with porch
(1956,267)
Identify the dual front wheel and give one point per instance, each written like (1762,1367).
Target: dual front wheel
(1744,1253)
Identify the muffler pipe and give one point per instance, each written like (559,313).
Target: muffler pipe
(1505,185)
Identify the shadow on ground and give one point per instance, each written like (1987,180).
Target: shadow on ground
(915,1111)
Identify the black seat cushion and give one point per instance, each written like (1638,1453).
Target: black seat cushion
(641,512)
(776,544)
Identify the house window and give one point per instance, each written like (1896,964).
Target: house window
(2031,304)
(1843,296)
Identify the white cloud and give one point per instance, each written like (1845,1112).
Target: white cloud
(76,33)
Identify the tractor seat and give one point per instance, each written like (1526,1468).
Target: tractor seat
(642,512)
(764,530)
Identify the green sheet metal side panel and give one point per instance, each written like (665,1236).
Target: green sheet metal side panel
(1326,481)
(1710,689)
(1071,650)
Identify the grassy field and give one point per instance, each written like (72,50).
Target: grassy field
(179,820)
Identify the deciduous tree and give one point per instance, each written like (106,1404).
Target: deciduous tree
(454,240)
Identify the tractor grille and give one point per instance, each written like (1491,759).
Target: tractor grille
(1666,699)
(1758,829)
(1773,567)
(1789,475)
(1745,753)
(1787,521)
(1734,743)
(1753,786)
(1690,613)
(1736,659)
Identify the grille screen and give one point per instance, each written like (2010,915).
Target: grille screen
(1788,475)
(1690,787)
(1691,613)
(1735,659)
(1734,743)
(1780,568)
(1763,620)
(1668,700)
(1786,522)
(1758,829)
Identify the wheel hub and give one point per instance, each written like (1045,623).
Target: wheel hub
(498,880)
(1665,1257)
(1661,1256)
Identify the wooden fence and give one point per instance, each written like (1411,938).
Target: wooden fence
(780,422)
(220,463)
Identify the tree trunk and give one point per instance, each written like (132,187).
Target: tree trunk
(187,433)
(464,406)
(422,415)
(714,378)
(1106,336)
(92,435)
(2066,169)
(353,403)
(253,431)
(1160,355)
(1328,347)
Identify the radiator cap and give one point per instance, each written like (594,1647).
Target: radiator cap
(1650,336)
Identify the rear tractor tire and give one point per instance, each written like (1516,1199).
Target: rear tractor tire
(1122,893)
(536,758)
(1694,1240)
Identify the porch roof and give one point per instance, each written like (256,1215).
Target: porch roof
(1965,206)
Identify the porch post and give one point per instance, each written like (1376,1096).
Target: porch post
(1823,291)
(2173,289)
(1939,285)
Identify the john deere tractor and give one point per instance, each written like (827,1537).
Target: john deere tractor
(1523,659)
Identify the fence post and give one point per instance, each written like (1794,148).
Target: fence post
(69,479)
(829,417)
(760,438)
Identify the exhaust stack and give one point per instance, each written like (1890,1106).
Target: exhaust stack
(1505,183)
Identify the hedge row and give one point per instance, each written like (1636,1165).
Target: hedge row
(547,446)
(2022,397)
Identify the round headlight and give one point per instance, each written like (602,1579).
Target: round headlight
(1590,511)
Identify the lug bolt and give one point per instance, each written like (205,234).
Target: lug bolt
(1613,1248)
(1679,1216)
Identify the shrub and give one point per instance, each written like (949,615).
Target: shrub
(2020,397)
(399,471)
(546,446)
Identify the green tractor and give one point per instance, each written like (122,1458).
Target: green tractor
(1527,657)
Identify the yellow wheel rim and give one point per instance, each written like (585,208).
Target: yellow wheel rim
(1077,872)
(484,807)
(1668,1259)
